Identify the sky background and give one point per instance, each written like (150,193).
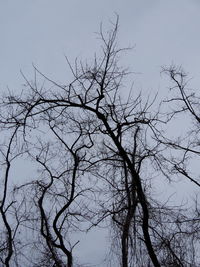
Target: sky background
(43,31)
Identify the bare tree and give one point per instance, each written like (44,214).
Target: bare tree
(7,246)
(98,154)
(184,105)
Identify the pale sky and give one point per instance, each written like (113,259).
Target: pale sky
(43,31)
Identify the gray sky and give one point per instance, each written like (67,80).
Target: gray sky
(42,31)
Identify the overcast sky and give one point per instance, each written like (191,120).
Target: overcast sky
(43,31)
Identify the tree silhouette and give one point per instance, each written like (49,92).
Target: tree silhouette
(100,156)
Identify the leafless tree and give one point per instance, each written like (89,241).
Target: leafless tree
(98,154)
